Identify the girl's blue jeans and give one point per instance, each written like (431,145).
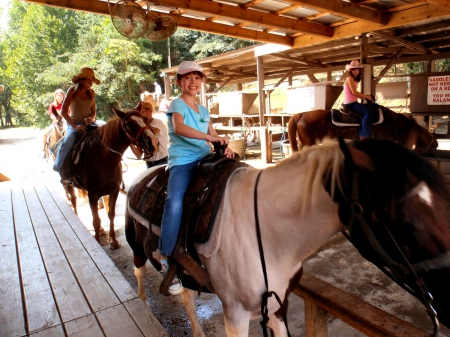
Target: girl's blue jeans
(366,122)
(64,149)
(179,178)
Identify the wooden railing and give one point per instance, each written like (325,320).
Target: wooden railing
(322,298)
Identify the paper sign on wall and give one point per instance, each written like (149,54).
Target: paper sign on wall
(438,90)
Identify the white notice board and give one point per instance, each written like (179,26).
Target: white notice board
(438,90)
(300,99)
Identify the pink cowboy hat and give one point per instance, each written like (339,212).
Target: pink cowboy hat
(353,65)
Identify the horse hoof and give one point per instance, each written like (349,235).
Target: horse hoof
(114,245)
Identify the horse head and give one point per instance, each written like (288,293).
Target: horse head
(138,130)
(397,219)
(419,139)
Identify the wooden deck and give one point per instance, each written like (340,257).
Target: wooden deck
(55,279)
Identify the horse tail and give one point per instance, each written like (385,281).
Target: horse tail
(82,193)
(292,131)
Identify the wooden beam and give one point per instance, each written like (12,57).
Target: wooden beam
(441,3)
(387,67)
(402,42)
(312,78)
(298,60)
(287,9)
(413,15)
(239,13)
(345,9)
(99,7)
(281,80)
(390,50)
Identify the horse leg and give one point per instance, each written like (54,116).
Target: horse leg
(96,221)
(70,194)
(236,321)
(187,295)
(106,202)
(113,242)
(139,271)
(276,324)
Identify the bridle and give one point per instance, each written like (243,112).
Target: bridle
(427,149)
(135,140)
(395,270)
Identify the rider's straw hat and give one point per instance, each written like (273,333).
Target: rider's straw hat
(86,73)
(189,66)
(353,65)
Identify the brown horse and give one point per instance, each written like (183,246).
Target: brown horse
(96,168)
(313,126)
(57,132)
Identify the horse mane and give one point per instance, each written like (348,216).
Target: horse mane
(110,131)
(324,163)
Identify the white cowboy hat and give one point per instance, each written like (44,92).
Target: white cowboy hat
(353,65)
(86,73)
(189,66)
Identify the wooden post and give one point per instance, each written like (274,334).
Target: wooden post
(316,321)
(167,86)
(266,151)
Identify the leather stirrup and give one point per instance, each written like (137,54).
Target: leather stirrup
(193,268)
(167,281)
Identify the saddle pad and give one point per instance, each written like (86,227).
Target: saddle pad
(340,119)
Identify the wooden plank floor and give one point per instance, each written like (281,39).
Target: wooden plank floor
(55,279)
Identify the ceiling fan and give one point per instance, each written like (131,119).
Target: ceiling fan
(161,25)
(131,20)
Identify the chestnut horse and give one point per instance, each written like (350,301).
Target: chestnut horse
(390,200)
(97,169)
(313,126)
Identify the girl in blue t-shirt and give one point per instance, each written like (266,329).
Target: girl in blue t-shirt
(190,133)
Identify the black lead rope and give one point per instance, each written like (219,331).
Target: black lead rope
(267,293)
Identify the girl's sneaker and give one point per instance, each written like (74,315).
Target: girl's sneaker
(176,287)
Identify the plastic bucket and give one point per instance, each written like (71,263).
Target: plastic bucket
(286,147)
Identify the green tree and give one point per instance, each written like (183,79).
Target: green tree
(37,37)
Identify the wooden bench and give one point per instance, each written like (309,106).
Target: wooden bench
(322,298)
(56,280)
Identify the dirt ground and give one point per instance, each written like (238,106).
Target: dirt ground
(340,264)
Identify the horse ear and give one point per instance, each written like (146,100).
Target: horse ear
(356,157)
(119,113)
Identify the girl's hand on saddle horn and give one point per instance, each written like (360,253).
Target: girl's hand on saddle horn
(221,140)
(81,129)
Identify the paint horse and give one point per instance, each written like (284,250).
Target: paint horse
(390,200)
(313,126)
(97,156)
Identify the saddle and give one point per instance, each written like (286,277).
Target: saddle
(347,117)
(200,207)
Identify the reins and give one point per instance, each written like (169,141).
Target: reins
(267,293)
(395,270)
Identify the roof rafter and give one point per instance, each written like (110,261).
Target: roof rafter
(345,9)
(239,13)
(99,7)
(412,15)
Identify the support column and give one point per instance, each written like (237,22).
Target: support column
(167,86)
(266,150)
